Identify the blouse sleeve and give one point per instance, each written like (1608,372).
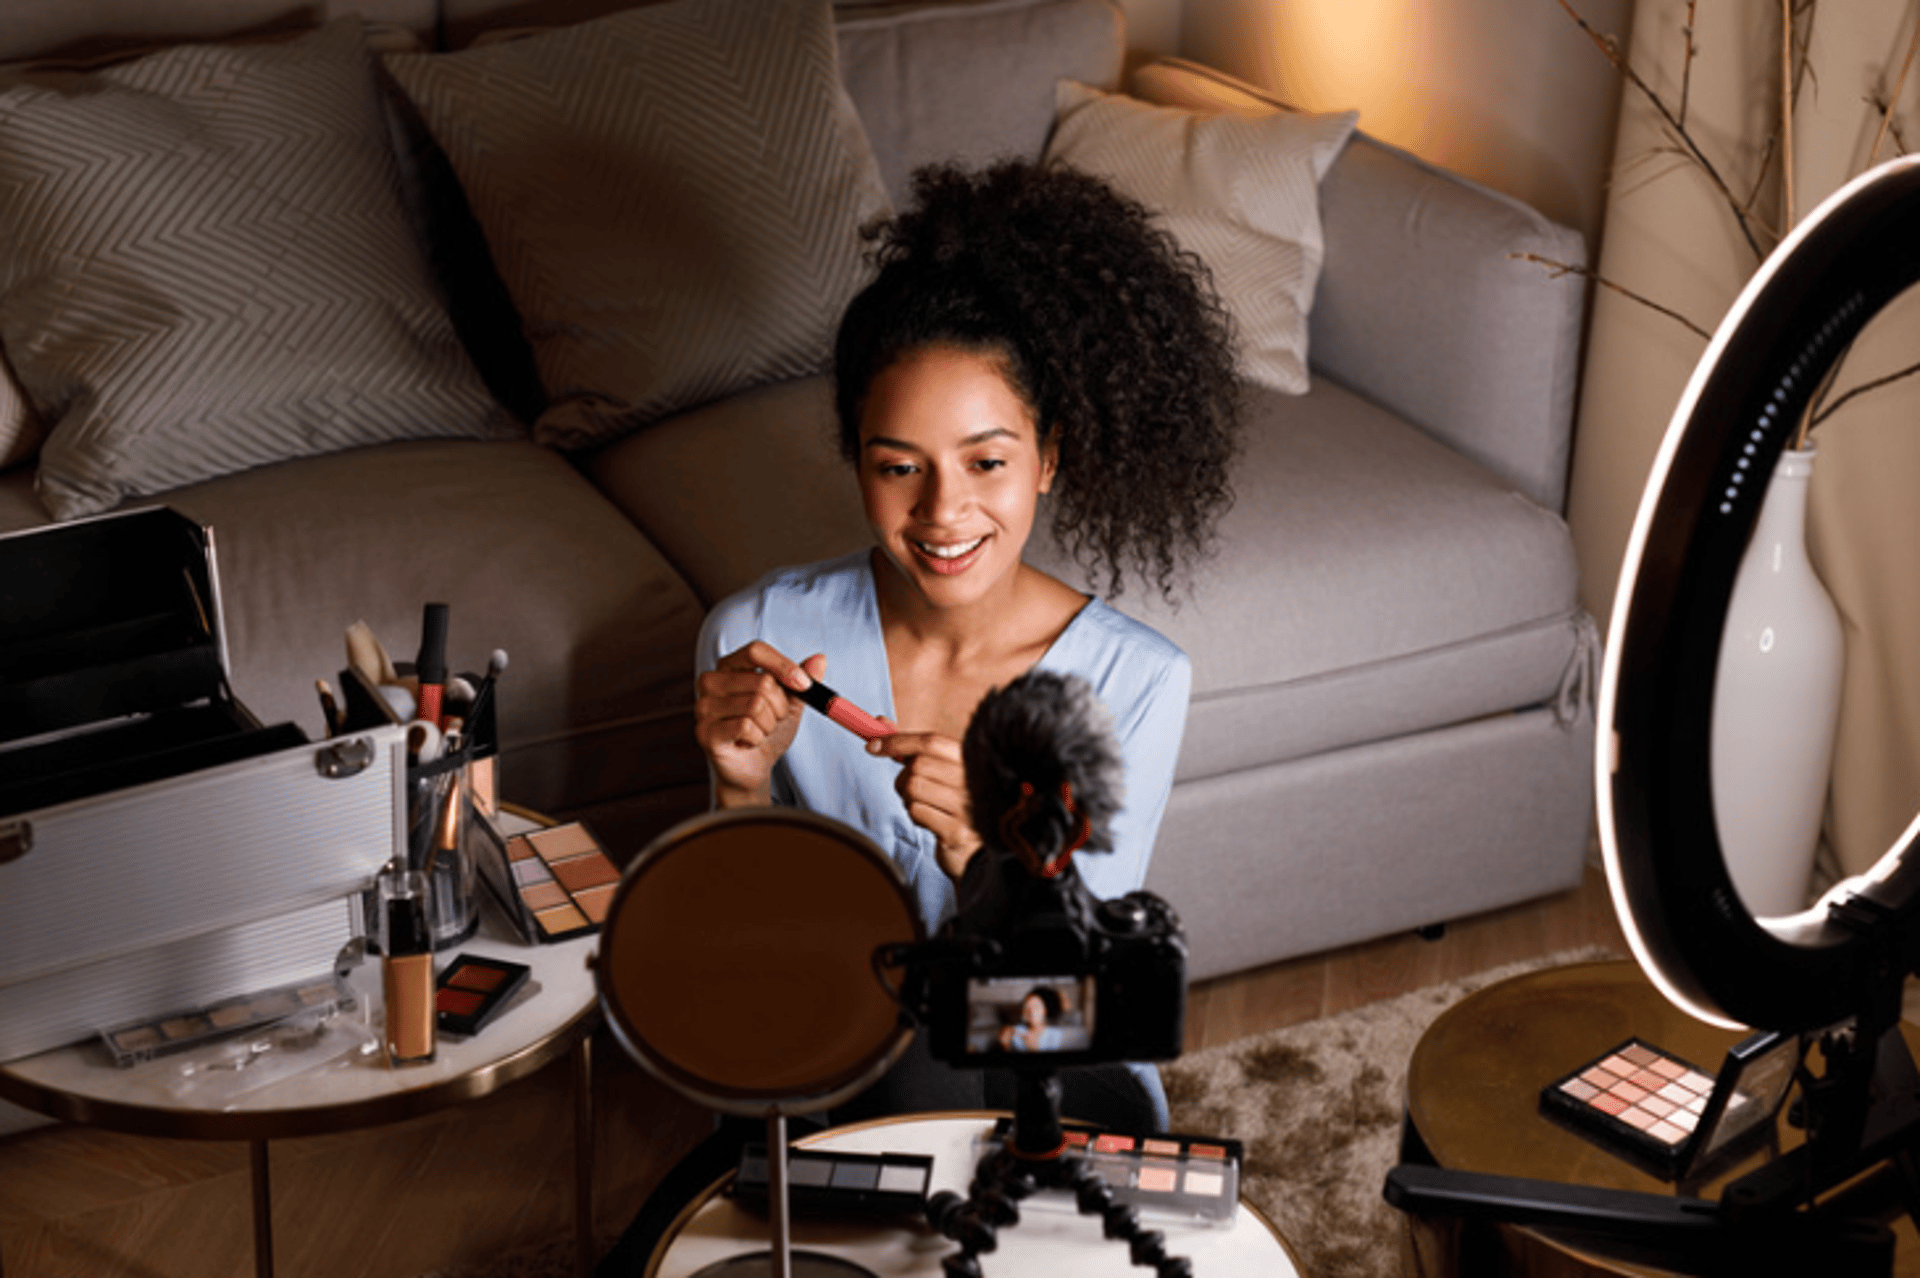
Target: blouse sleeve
(1150,728)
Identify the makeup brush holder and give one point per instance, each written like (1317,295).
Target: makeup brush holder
(439,811)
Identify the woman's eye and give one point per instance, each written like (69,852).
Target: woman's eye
(895,469)
(990,463)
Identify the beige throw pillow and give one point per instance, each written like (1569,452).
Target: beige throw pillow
(673,196)
(205,266)
(1242,192)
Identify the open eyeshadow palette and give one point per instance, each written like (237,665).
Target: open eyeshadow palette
(151,1037)
(1192,1179)
(1673,1118)
(822,1180)
(554,883)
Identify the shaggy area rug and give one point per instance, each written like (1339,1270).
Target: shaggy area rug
(1317,1106)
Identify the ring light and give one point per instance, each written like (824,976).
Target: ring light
(1669,879)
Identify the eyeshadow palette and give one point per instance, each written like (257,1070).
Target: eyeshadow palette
(143,1040)
(822,1180)
(554,883)
(1669,1116)
(1195,1179)
(473,990)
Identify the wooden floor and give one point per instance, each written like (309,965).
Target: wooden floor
(461,1186)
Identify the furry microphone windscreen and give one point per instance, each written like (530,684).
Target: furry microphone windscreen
(1038,732)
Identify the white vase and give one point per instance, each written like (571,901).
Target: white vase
(1776,702)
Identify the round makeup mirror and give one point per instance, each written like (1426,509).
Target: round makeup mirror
(1676,901)
(736,964)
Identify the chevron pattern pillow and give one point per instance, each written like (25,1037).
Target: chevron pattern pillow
(1240,192)
(672,194)
(205,266)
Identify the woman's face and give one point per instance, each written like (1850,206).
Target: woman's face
(950,468)
(1034,1011)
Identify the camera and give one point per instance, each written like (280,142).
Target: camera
(1034,972)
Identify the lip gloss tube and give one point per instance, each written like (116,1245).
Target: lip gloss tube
(844,712)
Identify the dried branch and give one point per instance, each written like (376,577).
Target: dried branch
(1556,270)
(1686,61)
(1861,389)
(1787,218)
(1611,51)
(1899,83)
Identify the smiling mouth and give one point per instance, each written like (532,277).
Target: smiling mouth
(955,550)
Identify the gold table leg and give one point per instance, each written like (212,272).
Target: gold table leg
(262,1212)
(583,1154)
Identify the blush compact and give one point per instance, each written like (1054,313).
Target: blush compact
(474,990)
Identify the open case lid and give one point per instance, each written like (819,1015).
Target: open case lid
(108,618)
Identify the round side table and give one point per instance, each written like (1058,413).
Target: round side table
(78,1084)
(1063,1244)
(1473,1090)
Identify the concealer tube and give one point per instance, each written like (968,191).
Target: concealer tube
(406,968)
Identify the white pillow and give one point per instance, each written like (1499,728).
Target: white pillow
(673,195)
(19,431)
(1240,191)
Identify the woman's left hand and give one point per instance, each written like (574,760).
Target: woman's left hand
(933,784)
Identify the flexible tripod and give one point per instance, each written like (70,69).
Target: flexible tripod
(1033,1158)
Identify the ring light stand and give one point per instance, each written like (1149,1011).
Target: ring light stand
(1835,970)
(736,966)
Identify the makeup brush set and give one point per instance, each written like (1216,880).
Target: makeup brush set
(452,735)
(160,847)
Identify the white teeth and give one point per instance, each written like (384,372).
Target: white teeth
(950,552)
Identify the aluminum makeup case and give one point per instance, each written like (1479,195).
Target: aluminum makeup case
(159,847)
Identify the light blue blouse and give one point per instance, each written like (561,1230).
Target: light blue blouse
(831,607)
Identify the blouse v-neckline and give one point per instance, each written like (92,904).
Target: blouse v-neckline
(876,634)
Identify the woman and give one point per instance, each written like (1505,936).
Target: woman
(1035,1030)
(1029,333)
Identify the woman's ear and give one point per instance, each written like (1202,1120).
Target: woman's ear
(1049,464)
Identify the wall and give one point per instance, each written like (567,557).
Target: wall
(1507,92)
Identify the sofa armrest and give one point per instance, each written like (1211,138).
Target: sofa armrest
(1423,304)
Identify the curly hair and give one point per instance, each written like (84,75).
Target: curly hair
(1111,334)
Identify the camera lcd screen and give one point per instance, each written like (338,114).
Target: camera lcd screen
(1029,1014)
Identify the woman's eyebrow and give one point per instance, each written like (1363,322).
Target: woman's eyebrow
(994,432)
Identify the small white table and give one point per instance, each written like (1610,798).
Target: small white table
(80,1084)
(1060,1244)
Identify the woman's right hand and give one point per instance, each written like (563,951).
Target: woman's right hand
(745,717)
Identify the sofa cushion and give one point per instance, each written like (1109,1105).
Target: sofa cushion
(1241,192)
(970,82)
(206,267)
(733,489)
(673,195)
(1369,582)
(598,694)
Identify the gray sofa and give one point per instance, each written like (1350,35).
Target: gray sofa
(1391,723)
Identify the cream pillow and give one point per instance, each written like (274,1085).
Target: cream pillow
(673,196)
(206,266)
(19,432)
(1241,192)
